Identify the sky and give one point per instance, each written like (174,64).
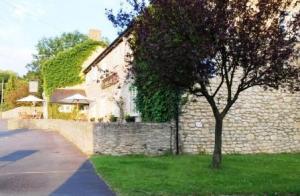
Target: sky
(24,22)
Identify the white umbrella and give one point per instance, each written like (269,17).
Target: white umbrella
(77,98)
(30,98)
(33,99)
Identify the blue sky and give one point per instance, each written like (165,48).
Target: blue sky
(24,22)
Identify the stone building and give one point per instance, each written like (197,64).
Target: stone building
(107,82)
(262,121)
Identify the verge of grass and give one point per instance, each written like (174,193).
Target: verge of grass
(191,175)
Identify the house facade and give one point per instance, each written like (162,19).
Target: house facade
(107,83)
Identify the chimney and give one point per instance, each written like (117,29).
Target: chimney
(95,34)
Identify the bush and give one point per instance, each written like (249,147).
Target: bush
(113,118)
(129,118)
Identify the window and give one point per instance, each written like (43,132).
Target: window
(65,109)
(132,105)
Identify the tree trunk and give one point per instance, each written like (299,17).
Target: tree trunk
(217,156)
(177,130)
(177,111)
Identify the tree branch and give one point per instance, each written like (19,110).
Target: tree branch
(220,85)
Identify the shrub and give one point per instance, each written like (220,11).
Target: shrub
(129,118)
(113,118)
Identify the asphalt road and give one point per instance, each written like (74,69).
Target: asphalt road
(37,163)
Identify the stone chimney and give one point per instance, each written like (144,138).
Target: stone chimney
(95,34)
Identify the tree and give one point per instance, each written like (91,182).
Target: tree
(50,47)
(6,74)
(216,49)
(16,88)
(4,77)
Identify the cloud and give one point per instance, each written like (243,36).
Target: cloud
(26,9)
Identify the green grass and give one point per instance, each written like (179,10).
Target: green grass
(191,175)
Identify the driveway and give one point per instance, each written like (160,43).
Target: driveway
(44,163)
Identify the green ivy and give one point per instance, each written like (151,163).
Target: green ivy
(64,69)
(55,114)
(155,102)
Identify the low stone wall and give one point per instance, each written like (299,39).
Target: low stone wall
(15,113)
(111,138)
(133,138)
(79,133)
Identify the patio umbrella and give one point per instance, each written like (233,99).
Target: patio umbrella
(30,98)
(77,99)
(33,99)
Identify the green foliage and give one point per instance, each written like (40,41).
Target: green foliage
(64,69)
(129,118)
(155,104)
(50,47)
(55,114)
(113,118)
(16,88)
(6,74)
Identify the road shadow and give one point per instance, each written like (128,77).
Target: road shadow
(17,155)
(84,182)
(12,132)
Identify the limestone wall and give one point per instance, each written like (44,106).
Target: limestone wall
(79,133)
(15,113)
(260,122)
(110,138)
(133,138)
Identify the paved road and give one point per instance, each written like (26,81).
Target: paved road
(37,163)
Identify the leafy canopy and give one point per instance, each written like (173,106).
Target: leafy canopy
(16,88)
(64,69)
(48,48)
(155,104)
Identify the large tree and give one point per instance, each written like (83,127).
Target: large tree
(50,47)
(216,48)
(4,77)
(16,88)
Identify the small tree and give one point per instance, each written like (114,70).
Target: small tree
(16,88)
(239,43)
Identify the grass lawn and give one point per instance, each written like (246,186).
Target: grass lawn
(191,175)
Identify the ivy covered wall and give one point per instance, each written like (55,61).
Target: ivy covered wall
(64,69)
(155,102)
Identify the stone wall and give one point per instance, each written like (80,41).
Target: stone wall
(110,138)
(133,138)
(79,133)
(15,113)
(260,122)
